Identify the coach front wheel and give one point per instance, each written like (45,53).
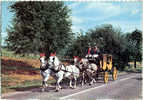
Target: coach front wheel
(106,77)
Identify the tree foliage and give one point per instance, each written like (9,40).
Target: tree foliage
(39,27)
(107,38)
(79,46)
(134,45)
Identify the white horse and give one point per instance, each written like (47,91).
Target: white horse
(60,71)
(88,70)
(91,72)
(77,61)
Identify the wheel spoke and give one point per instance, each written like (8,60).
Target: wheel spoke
(114,75)
(106,77)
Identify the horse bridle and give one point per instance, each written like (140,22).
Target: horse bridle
(60,65)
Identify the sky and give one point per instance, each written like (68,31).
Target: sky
(87,15)
(6,18)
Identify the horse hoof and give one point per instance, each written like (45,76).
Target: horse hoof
(82,84)
(43,90)
(57,90)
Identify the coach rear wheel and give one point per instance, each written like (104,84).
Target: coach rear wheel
(105,76)
(114,74)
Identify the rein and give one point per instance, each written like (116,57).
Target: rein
(60,69)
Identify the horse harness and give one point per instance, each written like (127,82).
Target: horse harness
(43,68)
(60,68)
(55,71)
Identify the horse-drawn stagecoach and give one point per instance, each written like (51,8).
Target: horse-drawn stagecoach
(100,66)
(105,66)
(104,63)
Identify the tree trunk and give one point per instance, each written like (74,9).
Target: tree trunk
(135,63)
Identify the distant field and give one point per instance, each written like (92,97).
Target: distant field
(7,53)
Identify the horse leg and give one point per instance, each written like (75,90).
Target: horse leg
(75,81)
(92,79)
(88,77)
(58,87)
(91,82)
(97,75)
(70,84)
(43,86)
(44,83)
(83,79)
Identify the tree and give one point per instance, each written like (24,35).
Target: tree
(79,46)
(134,47)
(39,27)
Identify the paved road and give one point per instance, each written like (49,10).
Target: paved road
(128,86)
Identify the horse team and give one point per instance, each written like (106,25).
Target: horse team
(82,69)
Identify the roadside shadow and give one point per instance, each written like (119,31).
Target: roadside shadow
(25,88)
(139,79)
(136,71)
(50,88)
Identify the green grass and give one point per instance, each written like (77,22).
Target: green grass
(8,53)
(26,85)
(6,87)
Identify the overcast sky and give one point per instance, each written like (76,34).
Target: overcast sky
(87,15)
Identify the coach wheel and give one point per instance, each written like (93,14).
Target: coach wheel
(114,74)
(105,76)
